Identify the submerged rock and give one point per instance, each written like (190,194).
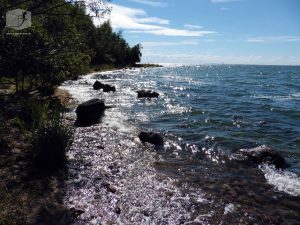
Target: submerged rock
(106,87)
(151,138)
(98,85)
(264,154)
(147,94)
(109,88)
(90,111)
(110,187)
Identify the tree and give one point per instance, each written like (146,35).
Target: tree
(55,49)
(60,46)
(136,54)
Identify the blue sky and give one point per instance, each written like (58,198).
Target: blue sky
(211,31)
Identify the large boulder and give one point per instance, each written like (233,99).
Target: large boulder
(90,111)
(151,138)
(147,94)
(108,88)
(98,85)
(264,154)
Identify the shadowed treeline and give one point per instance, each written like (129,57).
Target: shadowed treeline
(61,43)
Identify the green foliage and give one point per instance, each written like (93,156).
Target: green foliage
(61,43)
(42,121)
(34,114)
(111,48)
(50,143)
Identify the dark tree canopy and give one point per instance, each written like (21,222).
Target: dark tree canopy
(61,43)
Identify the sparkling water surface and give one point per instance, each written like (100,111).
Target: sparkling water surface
(205,114)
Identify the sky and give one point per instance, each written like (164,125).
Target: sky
(211,31)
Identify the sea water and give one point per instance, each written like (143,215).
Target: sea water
(205,114)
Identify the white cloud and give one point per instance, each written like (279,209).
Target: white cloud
(151,3)
(190,26)
(137,21)
(163,43)
(224,8)
(154,20)
(223,1)
(173,32)
(273,39)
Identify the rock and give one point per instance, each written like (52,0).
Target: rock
(76,212)
(108,88)
(146,213)
(147,94)
(264,154)
(110,187)
(118,210)
(151,138)
(98,85)
(90,111)
(74,78)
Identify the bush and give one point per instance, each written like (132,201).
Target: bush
(50,144)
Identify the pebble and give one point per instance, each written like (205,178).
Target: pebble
(110,188)
(118,210)
(146,213)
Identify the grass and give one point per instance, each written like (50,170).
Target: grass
(50,144)
(39,117)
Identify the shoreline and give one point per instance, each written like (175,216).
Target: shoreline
(66,97)
(230,191)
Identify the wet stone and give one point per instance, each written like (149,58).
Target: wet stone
(152,138)
(110,188)
(146,213)
(147,94)
(118,210)
(98,85)
(76,212)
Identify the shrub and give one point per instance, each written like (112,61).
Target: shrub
(50,143)
(33,114)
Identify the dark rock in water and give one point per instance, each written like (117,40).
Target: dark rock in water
(76,212)
(151,138)
(98,85)
(90,111)
(147,94)
(108,88)
(74,78)
(264,154)
(110,187)
(118,210)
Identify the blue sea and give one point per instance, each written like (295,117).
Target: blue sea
(205,114)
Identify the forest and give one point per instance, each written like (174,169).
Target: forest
(61,43)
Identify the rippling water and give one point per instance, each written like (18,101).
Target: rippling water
(205,114)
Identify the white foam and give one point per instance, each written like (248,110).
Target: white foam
(285,181)
(229,208)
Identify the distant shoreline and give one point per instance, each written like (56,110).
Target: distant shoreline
(111,67)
